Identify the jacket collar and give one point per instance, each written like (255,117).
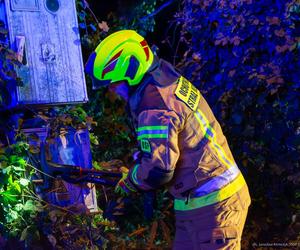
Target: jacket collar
(161,73)
(164,73)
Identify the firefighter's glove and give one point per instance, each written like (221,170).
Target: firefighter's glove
(124,186)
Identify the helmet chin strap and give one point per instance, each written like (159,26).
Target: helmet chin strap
(121,89)
(154,64)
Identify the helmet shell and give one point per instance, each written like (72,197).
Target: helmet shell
(123,55)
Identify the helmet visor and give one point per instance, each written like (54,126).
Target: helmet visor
(89,69)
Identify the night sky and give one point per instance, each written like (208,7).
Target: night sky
(165,26)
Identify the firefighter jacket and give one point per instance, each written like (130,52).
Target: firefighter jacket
(182,144)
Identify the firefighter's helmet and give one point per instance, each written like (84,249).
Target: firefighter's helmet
(123,55)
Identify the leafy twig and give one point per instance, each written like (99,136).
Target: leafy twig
(158,10)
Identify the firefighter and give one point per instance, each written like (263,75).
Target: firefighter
(181,142)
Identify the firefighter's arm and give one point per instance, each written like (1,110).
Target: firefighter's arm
(157,135)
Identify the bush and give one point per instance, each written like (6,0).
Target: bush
(244,58)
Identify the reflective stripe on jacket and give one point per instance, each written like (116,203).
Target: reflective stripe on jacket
(181,141)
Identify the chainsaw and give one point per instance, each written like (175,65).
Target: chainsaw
(73,174)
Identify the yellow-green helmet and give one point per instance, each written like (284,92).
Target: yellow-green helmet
(123,55)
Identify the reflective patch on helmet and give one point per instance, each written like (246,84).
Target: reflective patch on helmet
(111,64)
(109,68)
(132,67)
(116,56)
(145,146)
(146,49)
(144,43)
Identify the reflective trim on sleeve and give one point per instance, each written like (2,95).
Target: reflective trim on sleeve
(128,186)
(153,136)
(152,128)
(210,134)
(211,198)
(134,175)
(217,182)
(148,132)
(217,188)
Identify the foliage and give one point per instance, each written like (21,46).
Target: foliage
(68,230)
(8,59)
(26,218)
(112,127)
(244,57)
(135,16)
(19,205)
(140,17)
(135,231)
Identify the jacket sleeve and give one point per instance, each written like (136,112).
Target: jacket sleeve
(157,135)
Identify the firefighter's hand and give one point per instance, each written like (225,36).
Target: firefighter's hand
(124,186)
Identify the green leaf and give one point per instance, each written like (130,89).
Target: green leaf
(12,216)
(17,186)
(10,180)
(96,166)
(29,205)
(22,162)
(19,169)
(19,207)
(7,170)
(8,197)
(38,207)
(13,158)
(24,234)
(94,139)
(24,182)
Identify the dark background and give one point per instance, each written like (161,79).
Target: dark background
(165,27)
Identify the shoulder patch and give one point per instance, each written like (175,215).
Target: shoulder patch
(145,146)
(187,93)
